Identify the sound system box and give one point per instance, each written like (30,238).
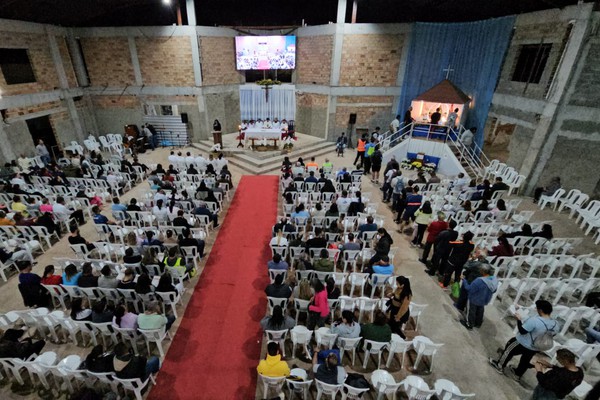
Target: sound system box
(352,120)
(184,118)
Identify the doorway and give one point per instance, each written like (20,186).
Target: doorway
(41,128)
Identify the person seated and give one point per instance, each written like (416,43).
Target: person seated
(278,289)
(545,232)
(300,212)
(285,226)
(279,240)
(144,284)
(277,321)
(311,178)
(153,318)
(317,211)
(130,366)
(124,319)
(350,243)
(382,266)
(503,249)
(346,326)
(80,309)
(76,238)
(525,231)
(99,361)
(152,241)
(100,219)
(174,260)
(333,292)
(133,206)
(317,242)
(180,220)
(549,190)
(49,278)
(324,264)
(5,221)
(498,185)
(187,240)
(14,345)
(328,372)
(557,381)
(378,330)
(128,280)
(70,276)
(273,365)
(87,278)
(202,209)
(369,226)
(107,280)
(343,202)
(333,211)
(460,183)
(130,257)
(30,286)
(328,187)
(165,284)
(18,206)
(102,312)
(277,263)
(303,290)
(312,164)
(18,254)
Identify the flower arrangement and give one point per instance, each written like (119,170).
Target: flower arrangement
(288,143)
(418,165)
(216,148)
(268,82)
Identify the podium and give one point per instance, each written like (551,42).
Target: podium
(218,137)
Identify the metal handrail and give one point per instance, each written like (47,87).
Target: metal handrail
(394,138)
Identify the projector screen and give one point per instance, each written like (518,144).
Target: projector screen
(265,52)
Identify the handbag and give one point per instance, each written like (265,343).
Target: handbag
(455,289)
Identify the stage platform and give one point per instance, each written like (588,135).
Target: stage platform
(262,162)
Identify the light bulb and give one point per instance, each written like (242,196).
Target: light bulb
(166,2)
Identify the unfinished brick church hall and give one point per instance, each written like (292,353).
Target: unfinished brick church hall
(344,199)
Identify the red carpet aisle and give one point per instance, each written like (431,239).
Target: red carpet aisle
(215,351)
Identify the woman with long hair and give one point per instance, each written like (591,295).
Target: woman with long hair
(333,211)
(277,321)
(422,219)
(123,318)
(144,284)
(328,187)
(346,326)
(70,276)
(383,243)
(503,249)
(319,308)
(80,310)
(49,278)
(398,306)
(303,291)
(333,292)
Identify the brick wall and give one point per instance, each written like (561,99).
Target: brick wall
(218,61)
(313,59)
(166,61)
(311,114)
(587,89)
(23,111)
(370,60)
(108,61)
(41,60)
(66,61)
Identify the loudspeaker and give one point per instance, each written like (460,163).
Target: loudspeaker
(352,120)
(184,118)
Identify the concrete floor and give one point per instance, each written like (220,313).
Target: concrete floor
(463,359)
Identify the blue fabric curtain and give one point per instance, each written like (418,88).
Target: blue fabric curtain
(474,50)
(281,104)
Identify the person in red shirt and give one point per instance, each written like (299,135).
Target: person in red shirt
(504,249)
(433,230)
(49,278)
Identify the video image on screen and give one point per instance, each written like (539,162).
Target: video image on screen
(265,52)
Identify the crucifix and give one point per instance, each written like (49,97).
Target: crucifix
(448,70)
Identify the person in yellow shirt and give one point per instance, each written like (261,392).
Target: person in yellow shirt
(4,220)
(18,206)
(273,365)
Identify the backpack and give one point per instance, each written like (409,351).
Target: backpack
(399,185)
(544,341)
(370,151)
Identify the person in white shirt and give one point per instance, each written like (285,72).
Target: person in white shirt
(219,163)
(160,211)
(42,151)
(189,159)
(179,160)
(467,137)
(267,124)
(63,213)
(172,158)
(114,180)
(284,126)
(17,180)
(200,162)
(343,202)
(395,124)
(461,182)
(148,133)
(452,117)
(24,163)
(276,124)
(160,195)
(258,124)
(252,124)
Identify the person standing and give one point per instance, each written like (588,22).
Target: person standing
(436,116)
(408,119)
(422,219)
(442,248)
(42,151)
(395,125)
(399,306)
(340,144)
(480,292)
(467,137)
(149,136)
(556,382)
(360,152)
(535,334)
(458,257)
(452,117)
(433,230)
(376,161)
(319,307)
(217,133)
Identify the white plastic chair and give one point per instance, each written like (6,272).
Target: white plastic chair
(375,348)
(327,389)
(358,279)
(349,392)
(68,371)
(155,336)
(447,390)
(279,337)
(191,253)
(324,337)
(348,344)
(169,299)
(384,384)
(367,305)
(301,306)
(273,384)
(300,335)
(41,367)
(415,312)
(425,347)
(299,387)
(554,199)
(275,301)
(135,385)
(416,388)
(397,346)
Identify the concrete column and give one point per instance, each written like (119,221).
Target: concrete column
(135,62)
(77,60)
(331,134)
(191,12)
(6,149)
(196,58)
(341,11)
(546,133)
(64,84)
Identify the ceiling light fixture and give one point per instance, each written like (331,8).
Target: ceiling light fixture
(166,2)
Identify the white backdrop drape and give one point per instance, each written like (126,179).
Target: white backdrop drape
(281,104)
